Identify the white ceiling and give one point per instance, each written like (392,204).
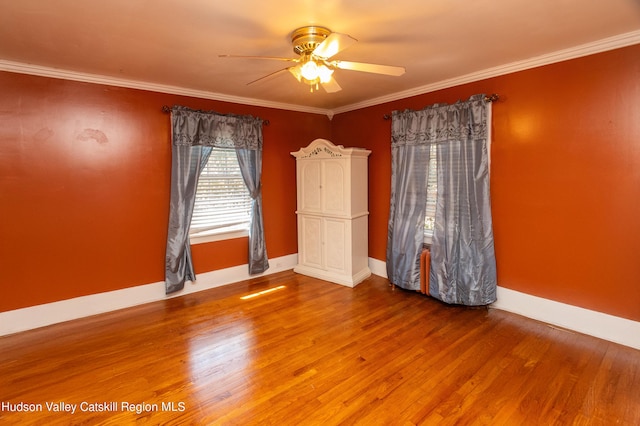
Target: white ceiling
(173,45)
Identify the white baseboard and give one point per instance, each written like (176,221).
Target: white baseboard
(65,310)
(607,327)
(378,267)
(604,326)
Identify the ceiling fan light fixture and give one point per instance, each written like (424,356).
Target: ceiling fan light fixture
(324,73)
(296,72)
(310,70)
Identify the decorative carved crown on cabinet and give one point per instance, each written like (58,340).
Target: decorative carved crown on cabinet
(332,210)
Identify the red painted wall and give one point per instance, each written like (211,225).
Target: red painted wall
(84,187)
(565,177)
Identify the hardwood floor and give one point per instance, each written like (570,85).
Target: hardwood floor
(309,352)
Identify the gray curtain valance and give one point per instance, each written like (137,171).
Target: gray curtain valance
(192,127)
(440,123)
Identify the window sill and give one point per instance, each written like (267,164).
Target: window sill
(219,235)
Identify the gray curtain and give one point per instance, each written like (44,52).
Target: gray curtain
(250,161)
(463,268)
(194,134)
(186,163)
(409,172)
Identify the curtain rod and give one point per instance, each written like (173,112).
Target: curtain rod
(490,98)
(166,109)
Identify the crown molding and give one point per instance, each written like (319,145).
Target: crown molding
(615,42)
(42,71)
(611,43)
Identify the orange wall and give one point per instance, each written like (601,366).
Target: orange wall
(84,187)
(85,168)
(565,182)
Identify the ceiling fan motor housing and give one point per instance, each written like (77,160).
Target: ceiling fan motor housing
(306,39)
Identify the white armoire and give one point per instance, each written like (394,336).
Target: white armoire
(332,212)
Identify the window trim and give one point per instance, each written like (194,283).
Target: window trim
(219,235)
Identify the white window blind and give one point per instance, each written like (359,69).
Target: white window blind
(222,199)
(432,192)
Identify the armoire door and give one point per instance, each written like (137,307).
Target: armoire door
(333,184)
(310,186)
(334,242)
(310,235)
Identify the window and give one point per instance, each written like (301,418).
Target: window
(432,192)
(223,205)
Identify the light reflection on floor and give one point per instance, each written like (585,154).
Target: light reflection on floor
(260,293)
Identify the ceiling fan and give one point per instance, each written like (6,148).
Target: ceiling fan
(315,47)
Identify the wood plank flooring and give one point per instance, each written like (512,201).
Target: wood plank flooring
(309,352)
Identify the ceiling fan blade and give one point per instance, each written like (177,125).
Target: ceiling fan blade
(276,58)
(273,74)
(331,86)
(333,44)
(361,66)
